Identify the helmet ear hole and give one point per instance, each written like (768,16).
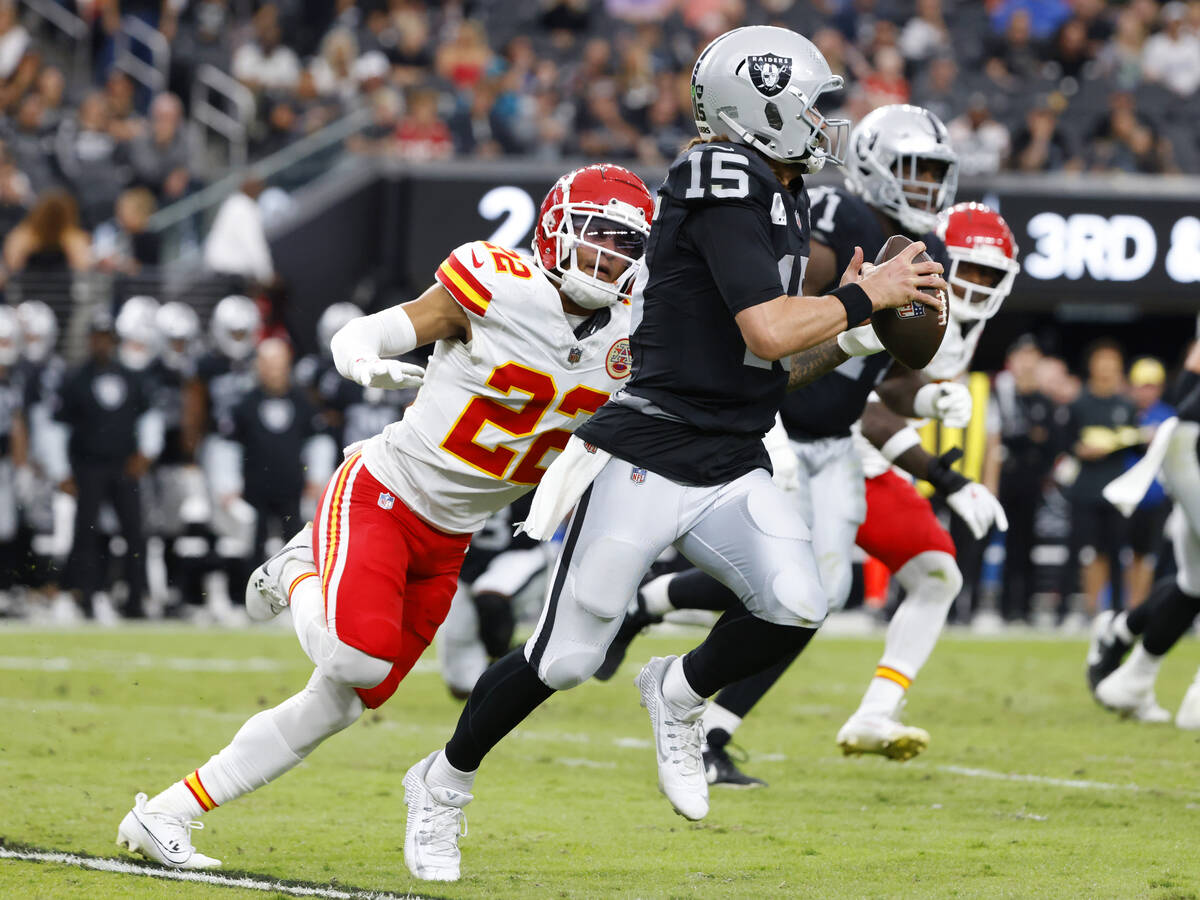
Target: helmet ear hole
(774,119)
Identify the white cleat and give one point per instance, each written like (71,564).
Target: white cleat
(266,594)
(162,837)
(677,743)
(434,824)
(882,735)
(1189,710)
(1131,694)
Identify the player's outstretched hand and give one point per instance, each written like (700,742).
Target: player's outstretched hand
(389,374)
(947,401)
(901,280)
(978,508)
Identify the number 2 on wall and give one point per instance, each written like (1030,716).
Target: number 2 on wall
(519,422)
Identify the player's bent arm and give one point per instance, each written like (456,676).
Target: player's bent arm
(898,390)
(894,437)
(787,325)
(359,348)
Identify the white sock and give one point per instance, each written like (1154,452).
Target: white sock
(685,702)
(1143,663)
(883,694)
(717,716)
(307,604)
(654,595)
(442,774)
(269,744)
(932,581)
(1120,627)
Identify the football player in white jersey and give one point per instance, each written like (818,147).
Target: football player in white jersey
(900,528)
(525,353)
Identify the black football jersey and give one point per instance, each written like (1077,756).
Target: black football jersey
(227,381)
(829,406)
(727,235)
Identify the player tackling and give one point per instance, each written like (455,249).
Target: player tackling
(525,353)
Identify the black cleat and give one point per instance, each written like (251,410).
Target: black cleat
(636,621)
(719,768)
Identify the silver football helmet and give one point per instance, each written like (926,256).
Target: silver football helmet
(234,326)
(331,322)
(39,330)
(137,332)
(894,151)
(762,84)
(10,336)
(180,329)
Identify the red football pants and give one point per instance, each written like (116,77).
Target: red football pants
(900,523)
(387,576)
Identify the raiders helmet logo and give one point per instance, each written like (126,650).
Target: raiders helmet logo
(769,73)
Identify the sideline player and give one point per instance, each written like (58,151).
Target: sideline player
(677,457)
(524,354)
(1174,603)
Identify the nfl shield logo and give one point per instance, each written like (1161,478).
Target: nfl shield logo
(575,355)
(590,448)
(911,311)
(386,500)
(769,73)
(638,475)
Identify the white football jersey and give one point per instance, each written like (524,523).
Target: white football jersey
(495,411)
(950,363)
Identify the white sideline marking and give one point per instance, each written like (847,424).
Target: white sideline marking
(1039,779)
(118,662)
(101,864)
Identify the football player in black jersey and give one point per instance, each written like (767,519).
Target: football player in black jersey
(676,457)
(223,377)
(900,173)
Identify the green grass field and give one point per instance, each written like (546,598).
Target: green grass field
(568,806)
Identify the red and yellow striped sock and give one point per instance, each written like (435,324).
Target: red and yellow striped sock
(297,581)
(892,675)
(199,792)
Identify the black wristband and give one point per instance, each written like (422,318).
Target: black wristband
(943,478)
(857,303)
(1187,396)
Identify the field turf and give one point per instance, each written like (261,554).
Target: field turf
(1028,789)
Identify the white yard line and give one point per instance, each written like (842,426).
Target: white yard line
(121,867)
(1079,783)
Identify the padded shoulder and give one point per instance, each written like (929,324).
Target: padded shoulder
(474,273)
(721,172)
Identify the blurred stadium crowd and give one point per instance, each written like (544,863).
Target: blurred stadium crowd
(152,477)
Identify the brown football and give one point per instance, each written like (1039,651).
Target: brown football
(912,333)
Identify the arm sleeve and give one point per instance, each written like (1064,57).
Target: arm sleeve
(386,333)
(735,241)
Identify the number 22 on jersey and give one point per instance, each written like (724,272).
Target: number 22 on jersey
(517,421)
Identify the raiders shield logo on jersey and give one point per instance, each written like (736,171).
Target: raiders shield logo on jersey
(769,73)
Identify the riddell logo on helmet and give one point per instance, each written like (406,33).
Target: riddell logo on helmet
(769,73)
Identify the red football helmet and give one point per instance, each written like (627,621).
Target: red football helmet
(604,208)
(977,234)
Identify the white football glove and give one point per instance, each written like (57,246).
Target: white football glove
(978,508)
(390,374)
(947,401)
(859,341)
(784,464)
